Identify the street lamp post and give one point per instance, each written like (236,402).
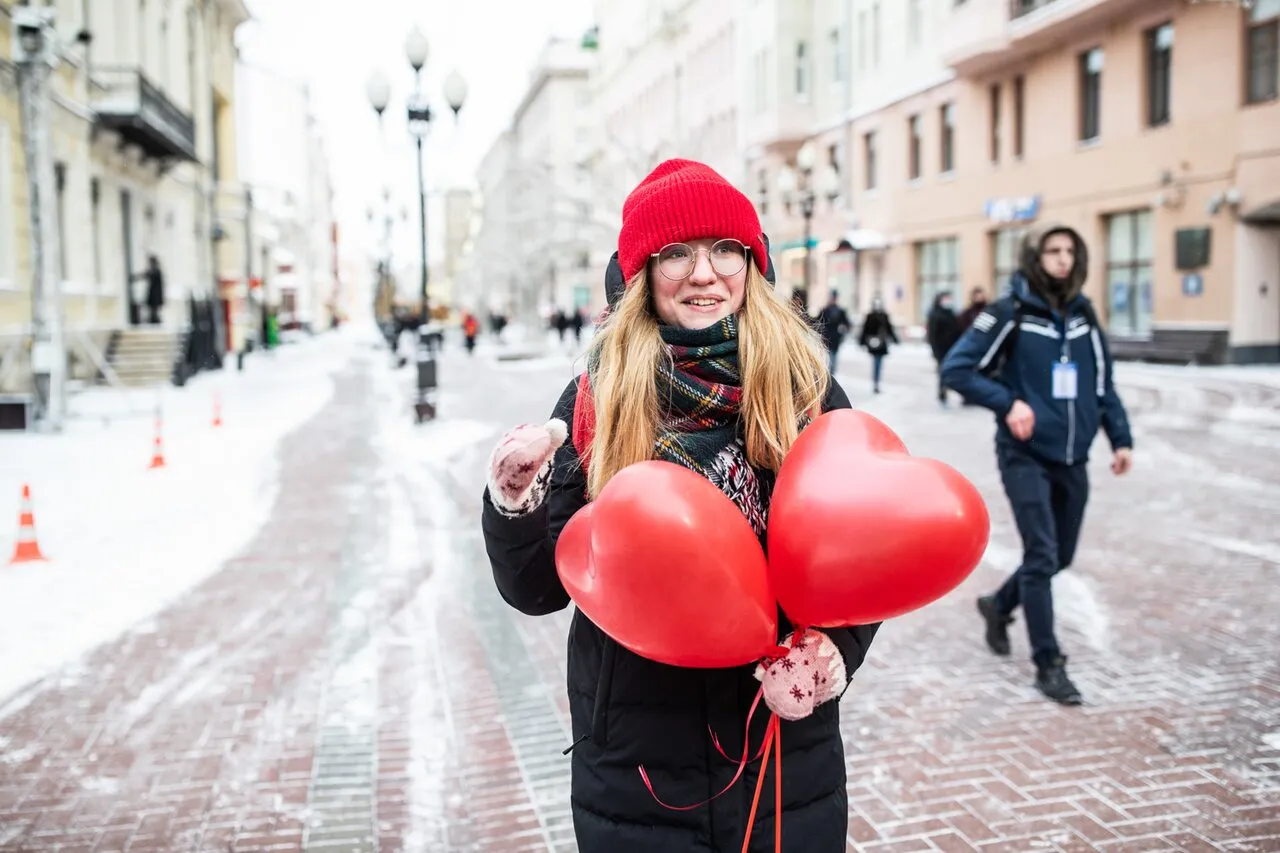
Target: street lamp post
(36,55)
(804,189)
(419,122)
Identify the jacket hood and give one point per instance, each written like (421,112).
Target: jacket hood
(1055,293)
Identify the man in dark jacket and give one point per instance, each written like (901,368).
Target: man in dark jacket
(833,324)
(1038,359)
(942,330)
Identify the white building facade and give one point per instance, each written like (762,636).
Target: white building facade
(284,163)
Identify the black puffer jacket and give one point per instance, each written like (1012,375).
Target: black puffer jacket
(627,710)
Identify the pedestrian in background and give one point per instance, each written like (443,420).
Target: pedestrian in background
(834,324)
(665,381)
(877,333)
(977,304)
(1038,359)
(942,330)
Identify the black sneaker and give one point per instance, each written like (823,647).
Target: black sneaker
(997,625)
(1053,682)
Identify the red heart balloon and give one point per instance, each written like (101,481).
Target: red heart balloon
(860,531)
(666,564)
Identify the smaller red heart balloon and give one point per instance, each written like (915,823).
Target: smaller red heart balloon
(860,531)
(666,565)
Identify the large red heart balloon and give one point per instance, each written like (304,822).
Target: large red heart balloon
(666,564)
(860,531)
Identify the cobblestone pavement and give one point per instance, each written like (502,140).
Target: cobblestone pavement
(352,682)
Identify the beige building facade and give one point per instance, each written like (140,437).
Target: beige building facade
(1148,125)
(141,132)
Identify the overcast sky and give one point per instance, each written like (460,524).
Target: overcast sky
(493,43)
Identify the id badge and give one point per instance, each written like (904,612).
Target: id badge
(1064,380)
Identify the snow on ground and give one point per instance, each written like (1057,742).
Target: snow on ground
(122,540)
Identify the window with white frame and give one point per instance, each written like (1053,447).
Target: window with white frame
(1130,253)
(862,41)
(937,271)
(875,35)
(1262,52)
(837,59)
(915,23)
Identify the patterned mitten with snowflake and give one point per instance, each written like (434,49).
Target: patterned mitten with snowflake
(520,466)
(812,672)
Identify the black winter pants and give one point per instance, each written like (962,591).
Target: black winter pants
(1048,501)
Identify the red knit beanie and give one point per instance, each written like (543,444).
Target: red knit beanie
(682,200)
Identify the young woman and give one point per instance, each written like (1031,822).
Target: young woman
(700,364)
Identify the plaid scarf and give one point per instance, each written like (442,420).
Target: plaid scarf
(700,392)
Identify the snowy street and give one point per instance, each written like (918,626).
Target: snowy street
(288,638)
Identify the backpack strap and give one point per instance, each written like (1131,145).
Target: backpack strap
(584,421)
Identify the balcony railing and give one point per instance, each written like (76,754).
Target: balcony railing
(129,104)
(1018,8)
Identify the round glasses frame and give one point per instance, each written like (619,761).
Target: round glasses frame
(723,266)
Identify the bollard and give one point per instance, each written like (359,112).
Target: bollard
(424,408)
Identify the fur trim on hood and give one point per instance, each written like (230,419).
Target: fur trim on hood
(1056,293)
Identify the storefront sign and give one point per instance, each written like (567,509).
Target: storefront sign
(1192,284)
(1014,209)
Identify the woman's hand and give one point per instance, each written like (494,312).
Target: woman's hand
(520,466)
(812,672)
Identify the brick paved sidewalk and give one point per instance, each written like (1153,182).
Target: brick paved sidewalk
(352,681)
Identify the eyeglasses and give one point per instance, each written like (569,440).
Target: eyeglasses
(676,260)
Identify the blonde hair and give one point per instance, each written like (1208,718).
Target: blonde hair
(780,359)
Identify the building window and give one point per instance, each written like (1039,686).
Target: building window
(915,23)
(862,41)
(833,158)
(1159,73)
(869,151)
(995,122)
(837,61)
(802,72)
(1006,246)
(1262,52)
(875,35)
(947,113)
(937,271)
(1090,94)
(60,188)
(913,148)
(1019,85)
(95,223)
(763,192)
(1130,247)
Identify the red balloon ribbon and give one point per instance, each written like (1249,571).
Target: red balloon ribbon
(772,741)
(772,744)
(742,765)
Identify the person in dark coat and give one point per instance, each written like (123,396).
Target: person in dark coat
(687,294)
(877,332)
(155,289)
(1038,359)
(942,330)
(834,324)
(977,304)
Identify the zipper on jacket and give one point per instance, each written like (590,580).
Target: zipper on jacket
(1071,403)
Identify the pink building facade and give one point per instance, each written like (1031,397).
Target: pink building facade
(1150,126)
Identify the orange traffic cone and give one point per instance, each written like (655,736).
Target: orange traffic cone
(27,549)
(157,454)
(217,409)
